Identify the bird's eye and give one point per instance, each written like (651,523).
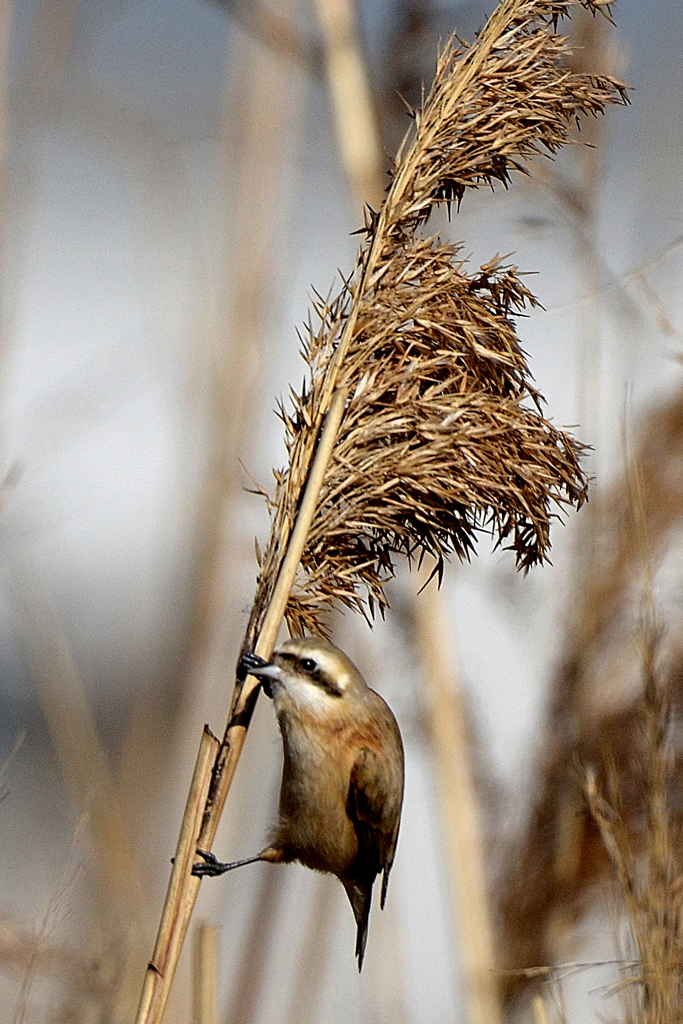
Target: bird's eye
(308,665)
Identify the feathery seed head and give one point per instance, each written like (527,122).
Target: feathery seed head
(443,435)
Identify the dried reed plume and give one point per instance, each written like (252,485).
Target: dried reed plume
(594,702)
(442,434)
(645,857)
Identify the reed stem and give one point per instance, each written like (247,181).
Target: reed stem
(358,139)
(208,802)
(205,973)
(182,890)
(459,811)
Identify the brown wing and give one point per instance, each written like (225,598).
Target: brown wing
(374,805)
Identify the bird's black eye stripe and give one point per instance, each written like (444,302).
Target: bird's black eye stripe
(319,677)
(326,683)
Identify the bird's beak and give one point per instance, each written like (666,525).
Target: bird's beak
(267,671)
(268,674)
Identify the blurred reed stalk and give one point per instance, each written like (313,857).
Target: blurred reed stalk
(387,1000)
(92,788)
(594,698)
(243,1004)
(460,812)
(21,953)
(442,434)
(57,910)
(277,32)
(648,874)
(205,974)
(6,765)
(353,107)
(313,958)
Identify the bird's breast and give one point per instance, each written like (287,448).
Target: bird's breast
(313,823)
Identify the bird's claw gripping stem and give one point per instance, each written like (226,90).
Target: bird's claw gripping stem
(247,662)
(212,867)
(209,865)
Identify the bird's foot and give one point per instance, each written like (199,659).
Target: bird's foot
(247,662)
(209,866)
(212,867)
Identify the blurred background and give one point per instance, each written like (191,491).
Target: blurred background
(176,180)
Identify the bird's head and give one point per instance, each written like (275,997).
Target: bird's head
(309,672)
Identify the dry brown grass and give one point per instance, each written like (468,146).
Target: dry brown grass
(643,840)
(630,832)
(594,700)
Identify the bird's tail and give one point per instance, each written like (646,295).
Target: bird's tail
(360,898)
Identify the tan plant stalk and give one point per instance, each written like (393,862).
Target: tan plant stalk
(442,434)
(182,888)
(593,703)
(459,811)
(247,990)
(359,142)
(205,973)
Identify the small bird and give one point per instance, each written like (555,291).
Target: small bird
(342,778)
